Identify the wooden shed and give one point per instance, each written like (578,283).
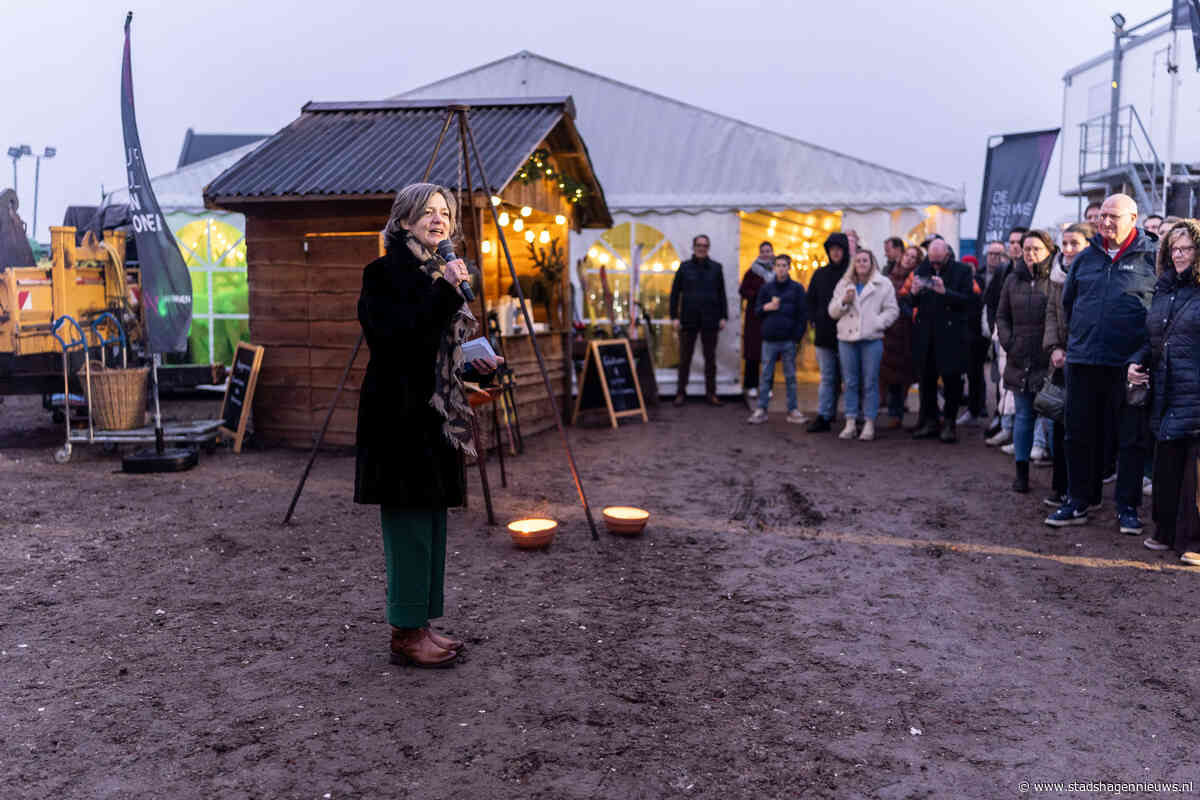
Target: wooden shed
(317,194)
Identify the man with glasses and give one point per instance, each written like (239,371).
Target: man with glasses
(698,308)
(1105,298)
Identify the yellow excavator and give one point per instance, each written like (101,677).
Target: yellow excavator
(83,279)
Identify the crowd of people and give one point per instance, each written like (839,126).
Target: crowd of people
(1076,351)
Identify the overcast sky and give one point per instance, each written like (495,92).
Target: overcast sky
(916,86)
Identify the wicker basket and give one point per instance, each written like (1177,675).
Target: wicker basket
(118,396)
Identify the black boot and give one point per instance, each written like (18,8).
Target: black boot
(819,425)
(928,429)
(949,433)
(1021,484)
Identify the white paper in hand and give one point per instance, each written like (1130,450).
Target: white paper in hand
(477,349)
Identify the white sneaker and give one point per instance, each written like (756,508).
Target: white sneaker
(758,417)
(1007,449)
(849,431)
(796,416)
(1147,487)
(1038,454)
(868,431)
(752,393)
(1003,437)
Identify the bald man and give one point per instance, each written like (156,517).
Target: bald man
(942,290)
(1105,298)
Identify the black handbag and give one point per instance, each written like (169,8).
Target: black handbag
(1138,395)
(1051,400)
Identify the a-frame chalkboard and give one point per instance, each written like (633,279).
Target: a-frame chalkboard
(609,381)
(239,392)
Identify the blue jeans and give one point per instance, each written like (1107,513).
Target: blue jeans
(1023,425)
(860,365)
(786,351)
(1042,433)
(831,379)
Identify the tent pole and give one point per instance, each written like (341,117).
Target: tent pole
(587,510)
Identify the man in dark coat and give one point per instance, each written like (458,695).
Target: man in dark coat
(1105,298)
(978,344)
(942,289)
(698,308)
(820,292)
(757,275)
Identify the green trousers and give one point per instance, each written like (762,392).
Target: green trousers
(414,549)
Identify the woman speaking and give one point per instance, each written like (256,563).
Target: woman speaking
(414,422)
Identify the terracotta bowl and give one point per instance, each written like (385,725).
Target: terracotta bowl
(625,520)
(530,534)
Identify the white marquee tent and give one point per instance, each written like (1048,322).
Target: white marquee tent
(671,170)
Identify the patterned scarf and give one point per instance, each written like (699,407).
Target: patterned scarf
(449,397)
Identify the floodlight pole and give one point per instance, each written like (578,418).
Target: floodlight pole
(537,351)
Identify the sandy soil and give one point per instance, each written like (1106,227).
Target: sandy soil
(804,617)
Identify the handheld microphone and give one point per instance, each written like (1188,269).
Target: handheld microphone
(446,250)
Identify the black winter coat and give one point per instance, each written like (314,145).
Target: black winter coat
(991,294)
(1174,361)
(786,324)
(941,319)
(698,295)
(1105,303)
(820,292)
(1021,326)
(403,459)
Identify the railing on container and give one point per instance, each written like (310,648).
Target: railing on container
(1133,148)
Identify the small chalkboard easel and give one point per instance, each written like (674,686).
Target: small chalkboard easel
(239,392)
(610,381)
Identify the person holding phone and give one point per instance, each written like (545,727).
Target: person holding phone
(414,419)
(941,289)
(864,305)
(1169,362)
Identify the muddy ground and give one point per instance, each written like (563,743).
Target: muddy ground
(804,617)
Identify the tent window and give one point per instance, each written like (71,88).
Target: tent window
(215,253)
(633,258)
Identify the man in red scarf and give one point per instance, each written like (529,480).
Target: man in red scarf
(1105,298)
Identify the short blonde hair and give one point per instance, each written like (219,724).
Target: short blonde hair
(409,207)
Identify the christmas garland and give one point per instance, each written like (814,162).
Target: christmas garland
(538,167)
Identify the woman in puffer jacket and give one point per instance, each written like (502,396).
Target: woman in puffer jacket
(1170,363)
(1020,329)
(864,305)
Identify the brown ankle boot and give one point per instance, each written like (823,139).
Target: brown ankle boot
(411,647)
(444,642)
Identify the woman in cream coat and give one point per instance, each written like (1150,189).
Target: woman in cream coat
(864,305)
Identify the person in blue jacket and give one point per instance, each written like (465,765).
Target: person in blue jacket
(781,305)
(1104,299)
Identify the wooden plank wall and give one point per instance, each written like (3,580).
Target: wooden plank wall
(303,309)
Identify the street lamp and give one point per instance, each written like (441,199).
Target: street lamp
(49,152)
(15,152)
(1114,150)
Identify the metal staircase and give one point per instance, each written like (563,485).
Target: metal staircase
(1126,161)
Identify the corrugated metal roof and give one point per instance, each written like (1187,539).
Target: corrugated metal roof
(655,153)
(377,148)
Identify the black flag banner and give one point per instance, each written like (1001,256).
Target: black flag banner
(1186,14)
(166,283)
(1012,180)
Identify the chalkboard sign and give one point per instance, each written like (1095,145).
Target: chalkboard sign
(239,392)
(609,381)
